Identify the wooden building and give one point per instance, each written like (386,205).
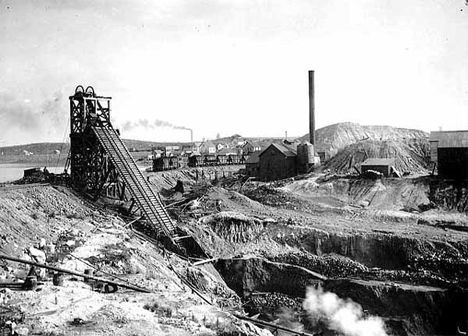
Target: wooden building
(249,147)
(207,147)
(381,165)
(252,164)
(277,162)
(449,150)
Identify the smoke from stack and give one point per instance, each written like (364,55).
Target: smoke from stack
(145,123)
(311,107)
(129,126)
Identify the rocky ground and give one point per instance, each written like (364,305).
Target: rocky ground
(85,237)
(279,251)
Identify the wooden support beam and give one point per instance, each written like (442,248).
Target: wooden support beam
(133,221)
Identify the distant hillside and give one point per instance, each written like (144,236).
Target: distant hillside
(334,137)
(48,148)
(40,148)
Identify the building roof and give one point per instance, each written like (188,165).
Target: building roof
(450,139)
(289,152)
(379,162)
(208,143)
(253,158)
(256,144)
(227,151)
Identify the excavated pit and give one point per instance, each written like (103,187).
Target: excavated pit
(273,288)
(375,242)
(416,286)
(385,251)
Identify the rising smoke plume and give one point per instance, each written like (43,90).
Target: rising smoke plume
(344,316)
(24,121)
(145,123)
(16,114)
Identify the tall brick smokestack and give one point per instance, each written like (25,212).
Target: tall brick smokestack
(311,107)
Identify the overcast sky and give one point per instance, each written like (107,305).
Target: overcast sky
(233,66)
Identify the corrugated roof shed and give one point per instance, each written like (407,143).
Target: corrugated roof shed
(379,162)
(450,139)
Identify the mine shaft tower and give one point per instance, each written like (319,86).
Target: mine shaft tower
(101,164)
(90,168)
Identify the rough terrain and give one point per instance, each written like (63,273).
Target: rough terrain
(85,237)
(397,247)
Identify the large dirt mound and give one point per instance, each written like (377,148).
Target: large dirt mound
(411,155)
(334,137)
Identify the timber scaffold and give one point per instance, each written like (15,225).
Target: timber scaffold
(101,164)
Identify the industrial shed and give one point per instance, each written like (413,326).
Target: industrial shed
(449,149)
(381,165)
(252,164)
(277,162)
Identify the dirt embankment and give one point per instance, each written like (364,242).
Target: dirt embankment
(79,236)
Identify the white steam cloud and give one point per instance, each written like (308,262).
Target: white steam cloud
(344,316)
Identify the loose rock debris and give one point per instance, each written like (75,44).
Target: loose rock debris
(301,222)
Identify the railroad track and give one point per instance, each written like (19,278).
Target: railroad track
(145,197)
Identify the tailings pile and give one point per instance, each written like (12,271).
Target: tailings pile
(411,156)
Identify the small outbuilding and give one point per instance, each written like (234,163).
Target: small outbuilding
(381,165)
(252,164)
(277,162)
(32,172)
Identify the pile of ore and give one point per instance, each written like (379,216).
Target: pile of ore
(411,156)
